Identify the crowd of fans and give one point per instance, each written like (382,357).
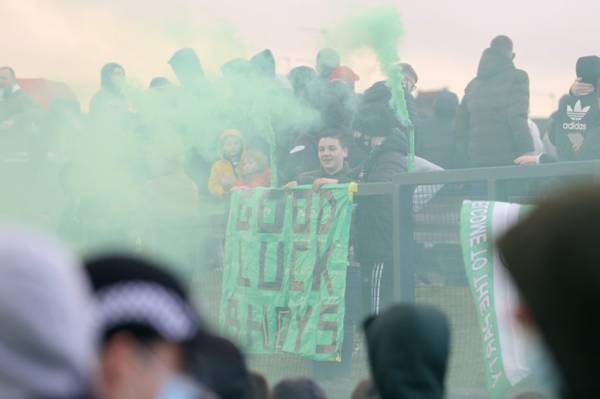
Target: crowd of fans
(123,327)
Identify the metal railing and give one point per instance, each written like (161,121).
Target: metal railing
(496,183)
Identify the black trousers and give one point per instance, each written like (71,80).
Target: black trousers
(377,285)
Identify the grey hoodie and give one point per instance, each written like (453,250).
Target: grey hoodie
(47,329)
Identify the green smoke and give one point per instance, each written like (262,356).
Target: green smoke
(123,179)
(379,29)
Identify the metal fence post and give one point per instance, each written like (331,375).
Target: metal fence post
(396,263)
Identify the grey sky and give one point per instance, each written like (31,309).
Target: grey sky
(70,39)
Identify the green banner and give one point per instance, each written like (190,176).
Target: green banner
(494,294)
(284,279)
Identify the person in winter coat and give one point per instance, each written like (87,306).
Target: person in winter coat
(408,348)
(436,141)
(491,123)
(575,126)
(252,171)
(15,104)
(223,171)
(388,158)
(110,101)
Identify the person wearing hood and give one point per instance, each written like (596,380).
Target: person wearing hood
(436,141)
(388,158)
(327,61)
(575,127)
(187,68)
(408,348)
(264,64)
(48,318)
(491,122)
(220,366)
(110,100)
(224,170)
(300,78)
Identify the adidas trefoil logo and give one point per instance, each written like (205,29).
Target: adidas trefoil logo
(577,113)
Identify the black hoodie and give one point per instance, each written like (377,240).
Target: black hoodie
(408,348)
(374,213)
(491,124)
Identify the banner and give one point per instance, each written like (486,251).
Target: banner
(495,297)
(284,279)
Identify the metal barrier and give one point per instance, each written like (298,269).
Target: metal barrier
(497,188)
(427,255)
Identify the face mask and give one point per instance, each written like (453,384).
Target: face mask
(181,387)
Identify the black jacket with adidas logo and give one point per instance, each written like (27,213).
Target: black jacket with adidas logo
(575,128)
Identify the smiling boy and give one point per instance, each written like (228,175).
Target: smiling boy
(332,152)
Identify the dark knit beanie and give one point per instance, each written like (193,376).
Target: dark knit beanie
(140,297)
(588,69)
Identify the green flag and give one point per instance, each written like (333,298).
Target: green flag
(494,295)
(284,279)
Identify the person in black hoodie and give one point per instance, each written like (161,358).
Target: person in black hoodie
(491,123)
(374,245)
(408,347)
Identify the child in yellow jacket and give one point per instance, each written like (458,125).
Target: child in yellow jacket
(223,171)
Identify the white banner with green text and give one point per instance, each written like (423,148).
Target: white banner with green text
(495,297)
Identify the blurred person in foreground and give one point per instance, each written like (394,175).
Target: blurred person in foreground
(553,256)
(297,388)
(491,122)
(408,348)
(47,319)
(220,366)
(146,325)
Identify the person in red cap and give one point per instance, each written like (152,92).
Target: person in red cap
(345,74)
